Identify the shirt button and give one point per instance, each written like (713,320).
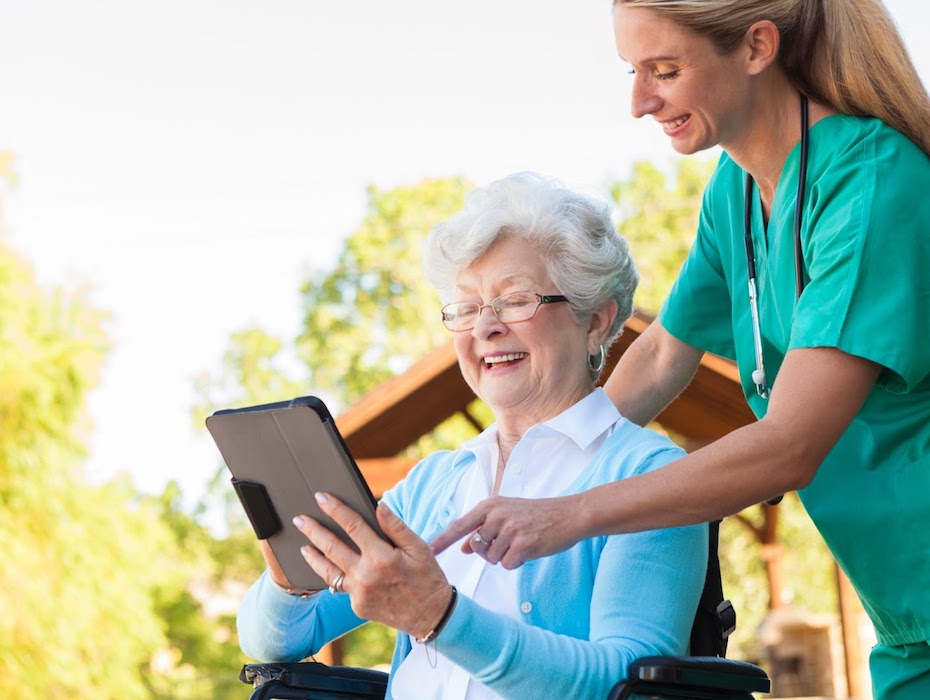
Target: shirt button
(526,606)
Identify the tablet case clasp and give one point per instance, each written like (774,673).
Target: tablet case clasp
(257,505)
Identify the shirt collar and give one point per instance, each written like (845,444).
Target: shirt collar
(587,420)
(583,422)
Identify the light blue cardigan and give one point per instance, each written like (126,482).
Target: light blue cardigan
(587,612)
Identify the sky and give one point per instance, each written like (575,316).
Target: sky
(191,161)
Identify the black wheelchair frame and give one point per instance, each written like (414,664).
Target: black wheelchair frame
(705,675)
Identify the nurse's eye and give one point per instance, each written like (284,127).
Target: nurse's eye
(667,75)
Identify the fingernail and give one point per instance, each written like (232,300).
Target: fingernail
(305,550)
(321,497)
(298,521)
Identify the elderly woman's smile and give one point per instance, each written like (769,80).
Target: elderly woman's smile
(509,358)
(531,365)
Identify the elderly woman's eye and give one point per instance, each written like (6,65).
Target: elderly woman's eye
(516,301)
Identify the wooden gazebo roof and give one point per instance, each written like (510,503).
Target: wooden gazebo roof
(399,412)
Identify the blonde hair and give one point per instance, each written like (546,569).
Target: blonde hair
(847,54)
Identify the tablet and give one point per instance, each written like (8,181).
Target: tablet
(279,455)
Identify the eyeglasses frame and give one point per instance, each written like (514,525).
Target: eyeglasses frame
(540,300)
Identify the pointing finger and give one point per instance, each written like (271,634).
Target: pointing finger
(468,523)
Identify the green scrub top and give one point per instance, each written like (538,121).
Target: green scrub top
(866,248)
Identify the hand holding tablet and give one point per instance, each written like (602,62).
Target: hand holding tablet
(280,455)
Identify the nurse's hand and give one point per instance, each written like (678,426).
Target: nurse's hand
(511,531)
(397,583)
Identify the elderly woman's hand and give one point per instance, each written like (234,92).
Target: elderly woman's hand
(277,573)
(397,583)
(511,531)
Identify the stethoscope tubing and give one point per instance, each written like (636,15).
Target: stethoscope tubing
(758,375)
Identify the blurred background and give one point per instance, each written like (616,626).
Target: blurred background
(208,203)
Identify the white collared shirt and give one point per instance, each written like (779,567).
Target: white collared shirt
(546,460)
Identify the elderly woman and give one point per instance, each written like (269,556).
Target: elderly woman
(537,284)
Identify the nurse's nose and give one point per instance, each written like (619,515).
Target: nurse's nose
(644,99)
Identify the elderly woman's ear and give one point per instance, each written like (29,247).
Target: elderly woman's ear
(599,328)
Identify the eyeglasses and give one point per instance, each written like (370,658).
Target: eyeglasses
(509,308)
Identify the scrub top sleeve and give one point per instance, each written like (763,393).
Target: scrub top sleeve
(698,310)
(867,255)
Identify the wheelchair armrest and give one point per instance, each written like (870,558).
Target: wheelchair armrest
(705,676)
(295,680)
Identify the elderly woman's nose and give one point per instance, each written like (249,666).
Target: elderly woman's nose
(487,323)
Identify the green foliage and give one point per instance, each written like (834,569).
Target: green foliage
(809,578)
(203,656)
(367,319)
(255,369)
(370,646)
(658,216)
(103,591)
(76,570)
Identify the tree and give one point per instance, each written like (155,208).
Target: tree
(808,581)
(364,320)
(95,581)
(658,215)
(74,573)
(201,657)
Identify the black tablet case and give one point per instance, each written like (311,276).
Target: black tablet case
(280,454)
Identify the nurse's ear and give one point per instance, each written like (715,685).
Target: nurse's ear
(760,46)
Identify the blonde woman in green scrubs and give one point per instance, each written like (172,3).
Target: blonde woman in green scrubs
(845,419)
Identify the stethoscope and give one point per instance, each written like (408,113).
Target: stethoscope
(758,375)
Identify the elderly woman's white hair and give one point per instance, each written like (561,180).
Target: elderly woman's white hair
(585,257)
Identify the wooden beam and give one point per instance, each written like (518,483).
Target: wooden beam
(399,412)
(712,405)
(382,474)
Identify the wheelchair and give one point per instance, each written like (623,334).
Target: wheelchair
(706,675)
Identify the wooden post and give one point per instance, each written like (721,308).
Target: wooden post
(857,662)
(772,553)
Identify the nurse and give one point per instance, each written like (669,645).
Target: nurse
(838,368)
